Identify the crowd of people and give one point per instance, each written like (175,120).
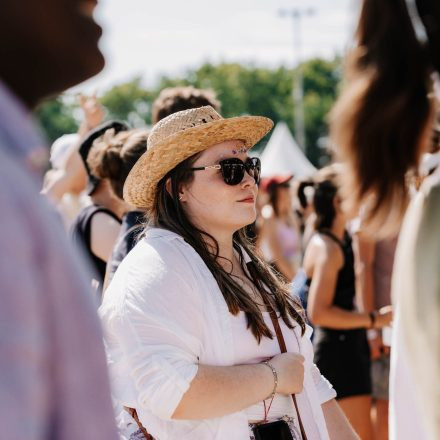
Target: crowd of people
(154,286)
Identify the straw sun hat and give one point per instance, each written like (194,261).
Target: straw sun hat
(178,137)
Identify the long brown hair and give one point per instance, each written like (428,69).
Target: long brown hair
(379,121)
(169,214)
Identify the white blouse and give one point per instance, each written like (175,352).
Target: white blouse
(248,351)
(163,314)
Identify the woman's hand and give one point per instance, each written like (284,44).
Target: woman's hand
(384,317)
(290,371)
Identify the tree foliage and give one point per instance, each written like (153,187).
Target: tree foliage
(130,102)
(56,118)
(242,89)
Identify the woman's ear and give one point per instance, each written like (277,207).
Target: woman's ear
(182,194)
(168,186)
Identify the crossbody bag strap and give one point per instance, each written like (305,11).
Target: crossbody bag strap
(283,349)
(133,414)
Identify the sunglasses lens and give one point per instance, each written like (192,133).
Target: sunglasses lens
(254,165)
(233,170)
(233,173)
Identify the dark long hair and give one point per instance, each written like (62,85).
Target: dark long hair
(325,188)
(379,120)
(323,203)
(169,214)
(301,192)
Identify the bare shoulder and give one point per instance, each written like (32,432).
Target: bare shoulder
(323,251)
(102,219)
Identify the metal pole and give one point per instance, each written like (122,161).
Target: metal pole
(298,86)
(298,90)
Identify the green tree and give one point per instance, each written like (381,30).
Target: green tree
(56,118)
(130,102)
(321,80)
(242,89)
(268,92)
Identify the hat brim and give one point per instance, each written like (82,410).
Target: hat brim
(141,184)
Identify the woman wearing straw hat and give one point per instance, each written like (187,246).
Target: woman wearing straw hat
(194,321)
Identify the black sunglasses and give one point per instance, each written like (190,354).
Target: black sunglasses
(233,169)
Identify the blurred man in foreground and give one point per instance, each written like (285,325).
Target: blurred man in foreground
(53,381)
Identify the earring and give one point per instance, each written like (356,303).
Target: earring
(180,197)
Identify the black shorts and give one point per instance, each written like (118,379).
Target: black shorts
(343,357)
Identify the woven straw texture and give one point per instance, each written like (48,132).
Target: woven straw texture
(180,136)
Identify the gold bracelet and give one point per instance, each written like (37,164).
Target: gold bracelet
(275,379)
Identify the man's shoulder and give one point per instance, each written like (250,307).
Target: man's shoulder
(20,201)
(28,220)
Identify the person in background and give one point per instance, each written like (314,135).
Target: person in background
(374,268)
(53,378)
(65,183)
(189,316)
(97,226)
(281,237)
(72,201)
(113,161)
(341,348)
(382,124)
(176,99)
(304,190)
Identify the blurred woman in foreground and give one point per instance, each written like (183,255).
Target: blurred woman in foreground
(382,124)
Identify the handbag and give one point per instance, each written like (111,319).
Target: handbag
(278,430)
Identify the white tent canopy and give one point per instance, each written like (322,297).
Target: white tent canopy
(282,155)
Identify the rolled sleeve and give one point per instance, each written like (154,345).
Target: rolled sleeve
(160,328)
(324,388)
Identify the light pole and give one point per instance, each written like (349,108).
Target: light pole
(296,14)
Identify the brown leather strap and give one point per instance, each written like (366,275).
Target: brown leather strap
(283,349)
(133,414)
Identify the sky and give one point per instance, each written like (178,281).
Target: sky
(150,38)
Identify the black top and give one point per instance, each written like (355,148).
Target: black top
(345,290)
(80,232)
(131,228)
(343,355)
